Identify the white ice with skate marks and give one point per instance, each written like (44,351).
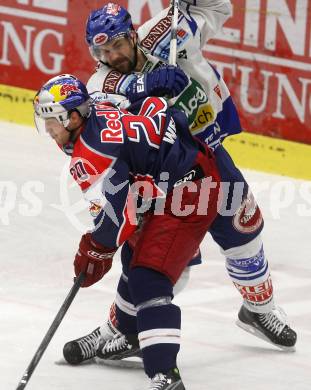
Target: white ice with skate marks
(38,243)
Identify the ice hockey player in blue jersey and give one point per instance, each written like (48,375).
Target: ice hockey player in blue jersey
(132,64)
(147,162)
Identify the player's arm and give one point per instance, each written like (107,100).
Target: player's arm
(209,15)
(110,208)
(201,19)
(113,221)
(109,81)
(166,81)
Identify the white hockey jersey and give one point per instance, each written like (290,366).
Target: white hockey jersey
(206,100)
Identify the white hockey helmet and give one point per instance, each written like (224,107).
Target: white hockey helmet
(57,98)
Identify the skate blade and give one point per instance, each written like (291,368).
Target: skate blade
(63,362)
(255,332)
(123,363)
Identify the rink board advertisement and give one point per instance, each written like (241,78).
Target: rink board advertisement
(264,53)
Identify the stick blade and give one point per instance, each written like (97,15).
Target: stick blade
(132,363)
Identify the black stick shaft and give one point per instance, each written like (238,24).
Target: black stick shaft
(50,333)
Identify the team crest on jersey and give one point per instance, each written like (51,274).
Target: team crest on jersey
(248,218)
(95,208)
(100,39)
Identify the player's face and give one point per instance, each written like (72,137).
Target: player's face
(57,131)
(119,54)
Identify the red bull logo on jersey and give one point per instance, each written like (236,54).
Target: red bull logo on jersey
(95,208)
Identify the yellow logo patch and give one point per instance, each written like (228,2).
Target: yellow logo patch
(63,91)
(57,93)
(205,116)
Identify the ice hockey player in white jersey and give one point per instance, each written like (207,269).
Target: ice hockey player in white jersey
(134,65)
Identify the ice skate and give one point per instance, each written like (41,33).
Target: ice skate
(84,348)
(121,351)
(169,381)
(81,349)
(270,326)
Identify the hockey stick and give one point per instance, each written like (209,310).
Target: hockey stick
(173,43)
(50,333)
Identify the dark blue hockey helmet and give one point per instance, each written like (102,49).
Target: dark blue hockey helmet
(107,23)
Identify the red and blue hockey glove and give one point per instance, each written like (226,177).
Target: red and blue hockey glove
(93,259)
(166,81)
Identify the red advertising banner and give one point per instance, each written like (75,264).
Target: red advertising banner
(264,54)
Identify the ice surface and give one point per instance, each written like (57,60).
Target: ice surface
(40,227)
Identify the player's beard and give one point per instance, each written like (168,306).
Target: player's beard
(126,64)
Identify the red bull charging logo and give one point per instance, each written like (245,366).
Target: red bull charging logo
(61,92)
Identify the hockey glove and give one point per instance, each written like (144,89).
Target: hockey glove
(92,258)
(166,81)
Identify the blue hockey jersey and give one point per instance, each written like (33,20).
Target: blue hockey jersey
(120,155)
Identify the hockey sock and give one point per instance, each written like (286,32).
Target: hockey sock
(126,321)
(123,312)
(159,337)
(249,271)
(158,320)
